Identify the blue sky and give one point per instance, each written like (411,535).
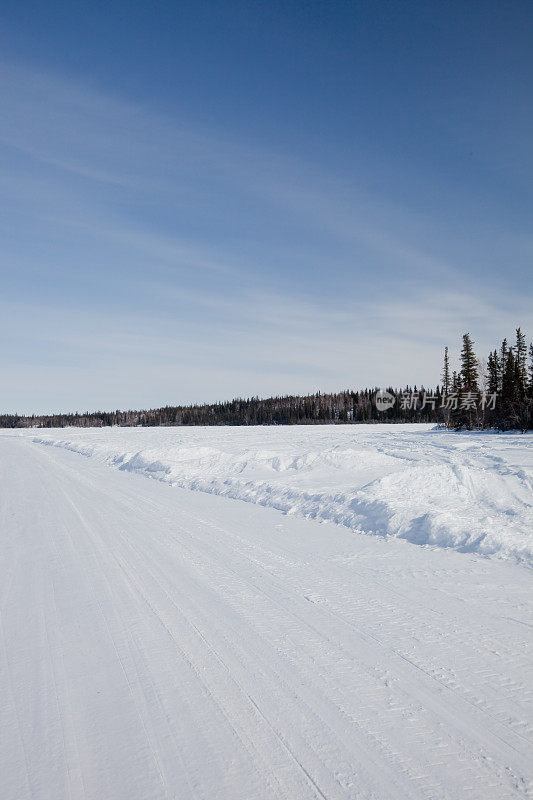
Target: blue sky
(209,199)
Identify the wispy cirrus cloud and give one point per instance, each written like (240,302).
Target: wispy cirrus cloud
(159,262)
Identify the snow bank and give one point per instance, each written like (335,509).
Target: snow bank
(470,492)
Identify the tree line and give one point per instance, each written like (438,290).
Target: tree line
(496,392)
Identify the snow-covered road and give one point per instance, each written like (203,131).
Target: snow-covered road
(162,643)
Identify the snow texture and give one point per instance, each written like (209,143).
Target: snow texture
(160,643)
(470,492)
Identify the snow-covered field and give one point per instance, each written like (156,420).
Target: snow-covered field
(158,642)
(472,492)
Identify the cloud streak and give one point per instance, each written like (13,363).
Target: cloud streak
(149,261)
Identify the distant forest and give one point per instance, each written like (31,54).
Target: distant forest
(496,392)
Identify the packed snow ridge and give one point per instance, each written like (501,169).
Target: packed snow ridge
(470,491)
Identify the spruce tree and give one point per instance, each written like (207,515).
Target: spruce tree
(469,373)
(530,385)
(509,385)
(446,373)
(504,352)
(493,366)
(521,363)
(455,381)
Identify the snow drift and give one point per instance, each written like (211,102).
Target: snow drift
(471,492)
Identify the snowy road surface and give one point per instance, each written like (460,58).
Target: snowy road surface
(162,643)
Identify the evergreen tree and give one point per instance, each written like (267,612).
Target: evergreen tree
(493,366)
(469,372)
(521,363)
(446,373)
(530,386)
(509,385)
(504,352)
(455,381)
